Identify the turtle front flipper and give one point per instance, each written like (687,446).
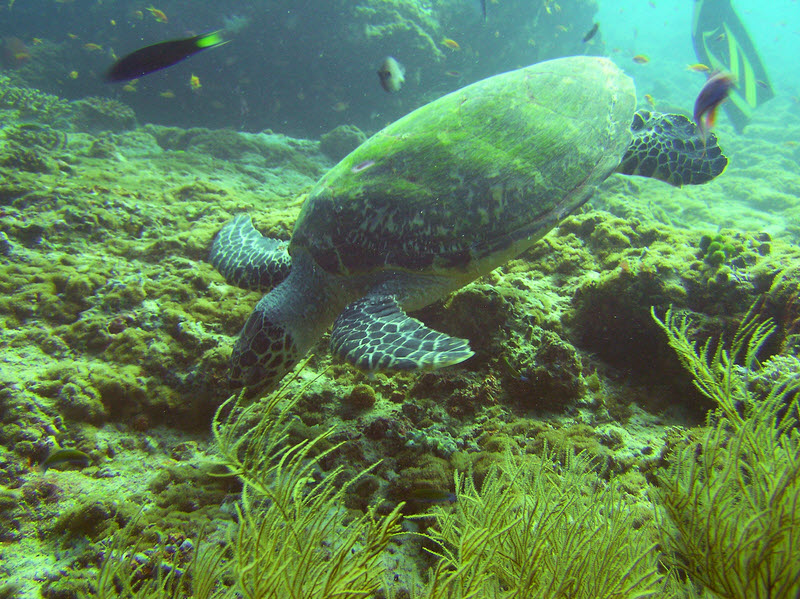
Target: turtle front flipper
(670,148)
(375,334)
(247,259)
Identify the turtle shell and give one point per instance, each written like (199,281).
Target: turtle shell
(479,173)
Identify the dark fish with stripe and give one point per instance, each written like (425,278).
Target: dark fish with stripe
(162,55)
(591,33)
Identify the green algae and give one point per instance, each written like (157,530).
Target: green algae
(116,330)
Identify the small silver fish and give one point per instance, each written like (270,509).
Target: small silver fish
(392,75)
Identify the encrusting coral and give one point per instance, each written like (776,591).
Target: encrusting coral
(544,525)
(294,537)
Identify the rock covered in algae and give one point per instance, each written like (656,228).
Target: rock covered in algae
(339,142)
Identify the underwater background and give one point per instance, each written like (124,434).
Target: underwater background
(579,413)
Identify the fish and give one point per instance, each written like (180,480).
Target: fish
(158,15)
(713,93)
(641,59)
(650,101)
(161,55)
(90,47)
(392,75)
(698,67)
(591,33)
(13,52)
(168,94)
(73,74)
(430,496)
(340,106)
(194,82)
(66,456)
(452,44)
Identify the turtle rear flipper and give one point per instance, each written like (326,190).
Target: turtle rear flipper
(670,148)
(375,334)
(247,259)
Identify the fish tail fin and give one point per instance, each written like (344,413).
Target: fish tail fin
(210,40)
(711,118)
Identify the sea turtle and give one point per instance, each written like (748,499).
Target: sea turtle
(435,200)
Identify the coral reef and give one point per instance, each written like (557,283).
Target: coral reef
(339,142)
(95,114)
(729,499)
(30,104)
(116,336)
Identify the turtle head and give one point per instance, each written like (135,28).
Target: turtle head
(265,349)
(284,325)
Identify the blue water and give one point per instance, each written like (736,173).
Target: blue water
(663,32)
(305,67)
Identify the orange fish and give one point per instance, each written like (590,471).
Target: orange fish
(698,67)
(73,74)
(650,101)
(13,52)
(340,106)
(194,82)
(452,44)
(641,59)
(158,15)
(93,47)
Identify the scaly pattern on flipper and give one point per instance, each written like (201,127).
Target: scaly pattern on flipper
(375,334)
(247,259)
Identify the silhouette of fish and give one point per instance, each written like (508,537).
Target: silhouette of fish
(161,55)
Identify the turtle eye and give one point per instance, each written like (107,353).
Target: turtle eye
(362,166)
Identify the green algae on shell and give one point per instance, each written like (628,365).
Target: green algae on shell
(485,170)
